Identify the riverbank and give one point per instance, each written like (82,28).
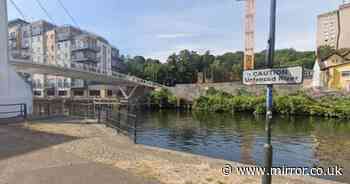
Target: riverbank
(299,103)
(100,144)
(307,103)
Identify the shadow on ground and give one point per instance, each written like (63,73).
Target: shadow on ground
(16,139)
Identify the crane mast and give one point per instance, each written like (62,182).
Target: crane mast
(249,32)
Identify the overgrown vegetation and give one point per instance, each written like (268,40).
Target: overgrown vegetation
(294,104)
(162,98)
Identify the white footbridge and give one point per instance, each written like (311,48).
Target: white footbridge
(84,72)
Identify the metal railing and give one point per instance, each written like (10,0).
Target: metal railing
(8,111)
(81,67)
(123,122)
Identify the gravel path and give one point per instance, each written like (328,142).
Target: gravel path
(100,144)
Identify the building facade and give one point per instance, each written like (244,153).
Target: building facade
(335,71)
(65,46)
(333,28)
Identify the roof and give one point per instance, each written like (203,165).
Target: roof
(17,22)
(341,53)
(346,5)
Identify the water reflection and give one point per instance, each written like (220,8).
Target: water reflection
(297,141)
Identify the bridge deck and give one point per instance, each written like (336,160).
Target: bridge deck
(86,73)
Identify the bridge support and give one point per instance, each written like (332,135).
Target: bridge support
(124,92)
(13,88)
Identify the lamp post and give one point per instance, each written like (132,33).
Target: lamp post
(267,178)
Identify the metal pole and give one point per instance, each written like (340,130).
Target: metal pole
(25,111)
(267,178)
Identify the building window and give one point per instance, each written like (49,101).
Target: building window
(95,93)
(62,93)
(51,92)
(345,74)
(109,92)
(37,93)
(78,93)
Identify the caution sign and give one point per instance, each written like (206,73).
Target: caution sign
(291,75)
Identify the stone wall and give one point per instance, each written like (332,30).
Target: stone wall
(193,91)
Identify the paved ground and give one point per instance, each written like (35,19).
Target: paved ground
(70,152)
(27,157)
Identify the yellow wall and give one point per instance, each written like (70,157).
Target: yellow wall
(335,78)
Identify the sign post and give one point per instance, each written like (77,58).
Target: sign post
(269,101)
(271,76)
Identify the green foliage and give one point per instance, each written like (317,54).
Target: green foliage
(163,97)
(219,101)
(286,58)
(324,51)
(183,66)
(296,104)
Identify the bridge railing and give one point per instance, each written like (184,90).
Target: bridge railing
(15,56)
(10,111)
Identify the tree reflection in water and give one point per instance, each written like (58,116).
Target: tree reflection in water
(297,141)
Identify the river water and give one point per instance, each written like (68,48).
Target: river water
(297,141)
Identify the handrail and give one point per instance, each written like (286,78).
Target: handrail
(93,69)
(22,112)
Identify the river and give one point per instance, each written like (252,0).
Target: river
(297,141)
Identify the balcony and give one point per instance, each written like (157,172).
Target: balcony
(78,83)
(20,54)
(12,37)
(64,36)
(66,33)
(83,47)
(84,57)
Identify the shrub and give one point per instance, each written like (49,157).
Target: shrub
(297,104)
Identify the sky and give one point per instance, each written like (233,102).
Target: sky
(158,28)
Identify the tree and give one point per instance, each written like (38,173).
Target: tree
(324,51)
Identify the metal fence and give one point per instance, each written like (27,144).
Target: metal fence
(113,115)
(123,121)
(12,111)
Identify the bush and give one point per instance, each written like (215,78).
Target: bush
(163,97)
(297,104)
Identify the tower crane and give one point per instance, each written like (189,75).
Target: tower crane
(249,34)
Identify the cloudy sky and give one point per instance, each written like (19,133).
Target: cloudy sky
(158,28)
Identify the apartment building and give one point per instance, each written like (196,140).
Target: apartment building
(19,38)
(333,28)
(65,46)
(105,56)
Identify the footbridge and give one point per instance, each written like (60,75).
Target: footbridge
(84,72)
